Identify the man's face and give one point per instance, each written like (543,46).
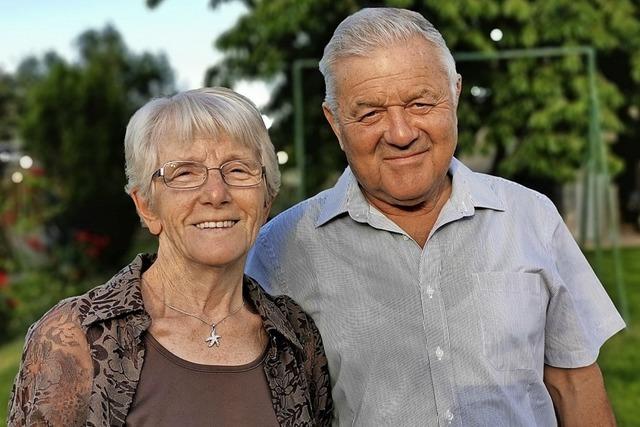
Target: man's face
(396,122)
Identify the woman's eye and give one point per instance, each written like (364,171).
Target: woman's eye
(182,173)
(238,170)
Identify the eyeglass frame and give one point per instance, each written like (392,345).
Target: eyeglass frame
(159,173)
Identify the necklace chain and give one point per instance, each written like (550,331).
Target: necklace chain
(214,338)
(211,324)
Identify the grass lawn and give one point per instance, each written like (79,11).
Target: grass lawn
(619,358)
(9,363)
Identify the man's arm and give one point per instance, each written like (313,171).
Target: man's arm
(579,396)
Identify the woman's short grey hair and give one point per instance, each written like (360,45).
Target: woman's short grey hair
(213,112)
(371,28)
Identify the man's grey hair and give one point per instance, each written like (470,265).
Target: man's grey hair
(371,28)
(214,112)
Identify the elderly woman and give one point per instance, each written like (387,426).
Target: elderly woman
(183,337)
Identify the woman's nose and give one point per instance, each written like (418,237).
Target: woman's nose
(214,190)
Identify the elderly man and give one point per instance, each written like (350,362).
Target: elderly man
(444,296)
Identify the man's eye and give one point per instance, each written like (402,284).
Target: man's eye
(420,107)
(369,115)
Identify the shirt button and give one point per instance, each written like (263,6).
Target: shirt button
(448,415)
(439,353)
(405,237)
(430,292)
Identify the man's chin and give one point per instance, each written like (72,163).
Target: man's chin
(403,201)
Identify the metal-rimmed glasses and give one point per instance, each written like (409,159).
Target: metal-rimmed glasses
(187,174)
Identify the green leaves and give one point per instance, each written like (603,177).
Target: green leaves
(535,117)
(74,120)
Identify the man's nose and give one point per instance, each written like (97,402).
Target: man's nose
(400,131)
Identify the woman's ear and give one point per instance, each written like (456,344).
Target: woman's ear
(146,213)
(266,209)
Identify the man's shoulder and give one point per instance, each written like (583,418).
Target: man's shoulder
(514,195)
(302,214)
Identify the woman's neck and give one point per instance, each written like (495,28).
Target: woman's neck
(197,288)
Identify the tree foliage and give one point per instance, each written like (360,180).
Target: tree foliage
(73,123)
(533,118)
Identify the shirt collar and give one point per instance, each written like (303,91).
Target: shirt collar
(273,318)
(122,296)
(469,190)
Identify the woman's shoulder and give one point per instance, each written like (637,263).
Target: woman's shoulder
(296,318)
(65,315)
(56,369)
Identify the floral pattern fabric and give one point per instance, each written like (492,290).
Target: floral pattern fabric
(82,360)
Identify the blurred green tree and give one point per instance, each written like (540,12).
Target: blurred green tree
(532,114)
(8,107)
(73,124)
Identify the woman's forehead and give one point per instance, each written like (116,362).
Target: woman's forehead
(201,148)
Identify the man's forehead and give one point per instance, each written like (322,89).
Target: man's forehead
(404,93)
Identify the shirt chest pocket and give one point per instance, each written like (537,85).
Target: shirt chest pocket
(511,308)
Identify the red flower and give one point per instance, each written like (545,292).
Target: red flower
(92,243)
(35,243)
(4,279)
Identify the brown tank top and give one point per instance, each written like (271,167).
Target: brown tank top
(175,392)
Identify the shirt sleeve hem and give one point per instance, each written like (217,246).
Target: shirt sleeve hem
(582,358)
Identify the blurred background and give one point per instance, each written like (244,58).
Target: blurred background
(551,99)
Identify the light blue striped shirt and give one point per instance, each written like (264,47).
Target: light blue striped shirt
(452,334)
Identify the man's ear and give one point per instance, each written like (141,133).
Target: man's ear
(146,213)
(333,122)
(458,87)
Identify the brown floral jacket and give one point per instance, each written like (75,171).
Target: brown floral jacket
(82,360)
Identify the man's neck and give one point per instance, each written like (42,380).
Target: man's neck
(417,220)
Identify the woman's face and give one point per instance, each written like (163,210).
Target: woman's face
(215,224)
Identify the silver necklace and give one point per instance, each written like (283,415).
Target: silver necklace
(213,338)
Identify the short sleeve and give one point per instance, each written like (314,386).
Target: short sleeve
(580,315)
(53,385)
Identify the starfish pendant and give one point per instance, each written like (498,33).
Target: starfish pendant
(214,339)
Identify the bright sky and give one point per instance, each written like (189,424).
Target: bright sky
(184,30)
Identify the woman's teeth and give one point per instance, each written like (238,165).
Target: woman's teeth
(215,224)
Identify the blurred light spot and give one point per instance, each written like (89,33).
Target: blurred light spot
(268,121)
(302,39)
(496,34)
(17,177)
(479,92)
(283,157)
(26,162)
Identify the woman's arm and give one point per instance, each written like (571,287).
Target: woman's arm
(54,382)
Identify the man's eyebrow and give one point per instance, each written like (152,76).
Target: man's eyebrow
(368,103)
(424,92)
